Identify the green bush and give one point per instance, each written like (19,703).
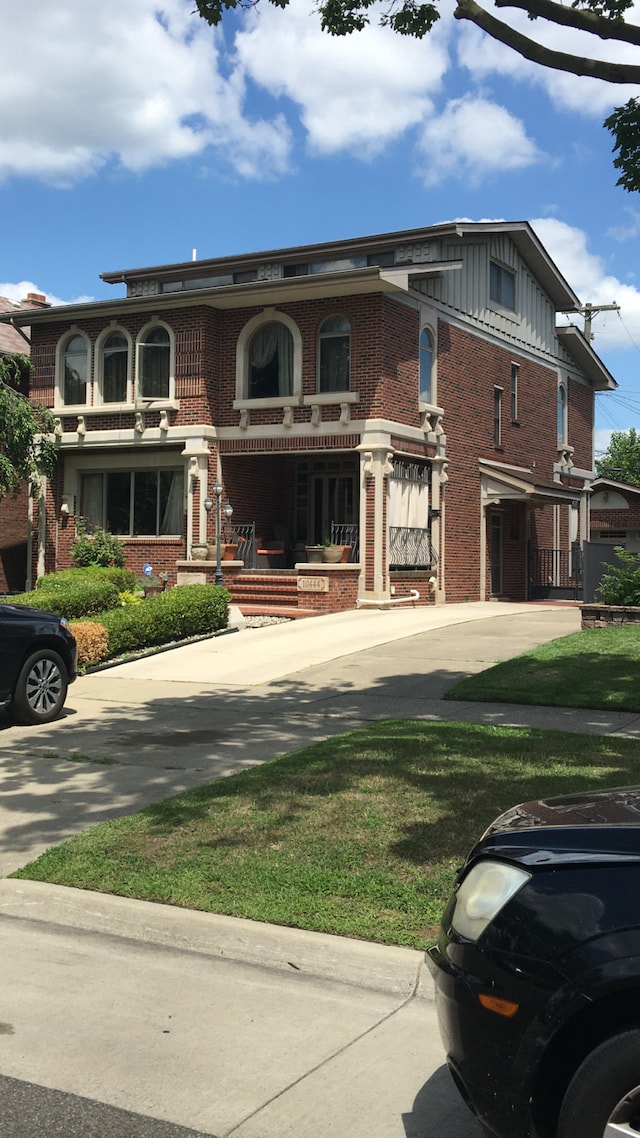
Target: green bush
(620,585)
(123,579)
(98,548)
(82,597)
(184,611)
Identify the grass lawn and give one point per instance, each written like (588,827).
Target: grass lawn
(358,835)
(597,668)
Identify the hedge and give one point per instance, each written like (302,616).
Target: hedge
(80,597)
(186,610)
(123,579)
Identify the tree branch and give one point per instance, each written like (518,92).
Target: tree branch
(556,60)
(585,21)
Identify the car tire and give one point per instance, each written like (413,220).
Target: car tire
(603,1098)
(41,688)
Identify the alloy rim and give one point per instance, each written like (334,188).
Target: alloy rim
(44,686)
(624,1121)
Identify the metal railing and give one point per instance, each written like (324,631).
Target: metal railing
(347,534)
(245,535)
(410,548)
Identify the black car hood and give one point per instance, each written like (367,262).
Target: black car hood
(601,825)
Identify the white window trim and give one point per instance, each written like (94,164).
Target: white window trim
(428,326)
(59,404)
(98,399)
(138,400)
(267,316)
(562,442)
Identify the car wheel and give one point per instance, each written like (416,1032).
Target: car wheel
(41,688)
(603,1098)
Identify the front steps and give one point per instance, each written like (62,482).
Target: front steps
(268,594)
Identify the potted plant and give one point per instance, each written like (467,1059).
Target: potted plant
(314,553)
(151,585)
(331,554)
(199,551)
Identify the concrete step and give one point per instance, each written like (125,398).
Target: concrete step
(274,610)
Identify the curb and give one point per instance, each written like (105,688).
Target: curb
(400,972)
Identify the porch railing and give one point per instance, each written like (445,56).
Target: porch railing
(347,534)
(410,548)
(245,535)
(555,572)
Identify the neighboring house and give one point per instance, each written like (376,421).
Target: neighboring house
(408,393)
(14,512)
(615,513)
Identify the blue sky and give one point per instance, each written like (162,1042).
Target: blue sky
(132,134)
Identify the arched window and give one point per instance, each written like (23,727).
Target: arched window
(426,366)
(334,350)
(154,363)
(562,414)
(76,371)
(114,354)
(271,362)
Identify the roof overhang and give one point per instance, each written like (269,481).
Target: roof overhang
(256,294)
(589,363)
(518,484)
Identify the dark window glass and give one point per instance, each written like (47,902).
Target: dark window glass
(497,416)
(115,357)
(502,286)
(426,365)
(76,371)
(145,502)
(335,351)
(154,361)
(118,504)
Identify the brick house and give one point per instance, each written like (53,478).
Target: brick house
(408,394)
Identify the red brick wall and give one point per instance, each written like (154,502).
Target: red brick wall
(13,542)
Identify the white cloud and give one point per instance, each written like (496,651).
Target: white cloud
(587,274)
(473,138)
(82,83)
(354,92)
(20,290)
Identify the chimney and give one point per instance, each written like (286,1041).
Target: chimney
(35,300)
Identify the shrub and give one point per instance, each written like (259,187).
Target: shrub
(98,548)
(92,641)
(123,579)
(129,598)
(620,585)
(81,597)
(184,611)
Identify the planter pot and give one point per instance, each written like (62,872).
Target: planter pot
(199,551)
(152,590)
(314,554)
(229,550)
(332,554)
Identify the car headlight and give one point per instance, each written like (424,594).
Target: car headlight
(483,893)
(64,623)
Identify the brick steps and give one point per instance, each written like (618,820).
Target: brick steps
(268,594)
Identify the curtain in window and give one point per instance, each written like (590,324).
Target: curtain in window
(91,500)
(154,364)
(271,362)
(408,505)
(76,371)
(115,355)
(171,502)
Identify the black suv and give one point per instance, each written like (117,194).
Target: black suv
(537,970)
(38,660)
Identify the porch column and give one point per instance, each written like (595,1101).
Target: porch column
(375,468)
(196,454)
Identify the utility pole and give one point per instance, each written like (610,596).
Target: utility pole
(591,310)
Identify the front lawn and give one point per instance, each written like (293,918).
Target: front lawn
(598,668)
(358,835)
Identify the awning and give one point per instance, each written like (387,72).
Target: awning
(502,483)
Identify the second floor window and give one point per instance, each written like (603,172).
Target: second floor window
(497,416)
(562,414)
(271,362)
(426,366)
(502,286)
(334,351)
(115,363)
(154,363)
(76,371)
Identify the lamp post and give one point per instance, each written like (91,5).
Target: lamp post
(228,510)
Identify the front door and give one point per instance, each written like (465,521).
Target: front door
(332,500)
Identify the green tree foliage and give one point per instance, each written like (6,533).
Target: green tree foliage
(622,458)
(602,19)
(27,447)
(621,583)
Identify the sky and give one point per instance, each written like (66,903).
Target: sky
(133,134)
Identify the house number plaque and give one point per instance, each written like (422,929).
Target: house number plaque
(313,584)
